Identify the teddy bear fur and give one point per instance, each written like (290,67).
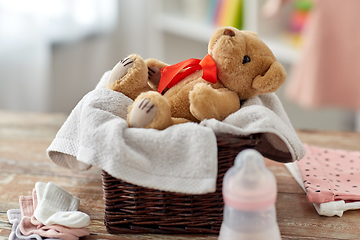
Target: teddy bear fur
(246,67)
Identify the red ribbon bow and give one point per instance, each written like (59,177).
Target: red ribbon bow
(172,74)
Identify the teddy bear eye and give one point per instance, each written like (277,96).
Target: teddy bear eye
(246,59)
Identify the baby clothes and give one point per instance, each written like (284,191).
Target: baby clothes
(15,216)
(56,206)
(330,174)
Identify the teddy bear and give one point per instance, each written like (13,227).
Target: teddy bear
(238,66)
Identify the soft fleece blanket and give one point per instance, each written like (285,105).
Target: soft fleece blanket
(181,158)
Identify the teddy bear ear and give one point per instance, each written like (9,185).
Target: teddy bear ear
(270,82)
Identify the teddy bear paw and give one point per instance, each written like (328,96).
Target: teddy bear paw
(142,113)
(150,110)
(202,101)
(154,75)
(120,70)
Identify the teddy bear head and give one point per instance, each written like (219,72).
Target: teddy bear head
(245,64)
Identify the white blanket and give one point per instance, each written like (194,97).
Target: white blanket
(181,158)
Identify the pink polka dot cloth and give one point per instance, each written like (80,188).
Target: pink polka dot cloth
(330,174)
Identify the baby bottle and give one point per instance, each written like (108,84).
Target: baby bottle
(249,193)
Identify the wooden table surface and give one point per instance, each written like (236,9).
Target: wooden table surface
(24,138)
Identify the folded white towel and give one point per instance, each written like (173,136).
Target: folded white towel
(181,158)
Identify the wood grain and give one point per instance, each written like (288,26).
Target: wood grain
(24,138)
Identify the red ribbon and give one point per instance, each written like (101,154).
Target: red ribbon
(172,74)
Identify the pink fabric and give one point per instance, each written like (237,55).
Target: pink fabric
(26,206)
(330,174)
(30,225)
(328,72)
(27,228)
(35,200)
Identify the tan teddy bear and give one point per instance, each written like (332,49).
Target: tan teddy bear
(238,66)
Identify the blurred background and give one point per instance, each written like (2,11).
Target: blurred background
(52,52)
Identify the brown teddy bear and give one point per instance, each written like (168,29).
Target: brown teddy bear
(238,66)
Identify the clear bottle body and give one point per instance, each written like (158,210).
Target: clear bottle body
(249,225)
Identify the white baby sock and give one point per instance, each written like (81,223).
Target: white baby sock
(72,219)
(14,215)
(40,189)
(51,192)
(57,206)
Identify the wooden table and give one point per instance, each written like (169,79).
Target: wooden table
(24,138)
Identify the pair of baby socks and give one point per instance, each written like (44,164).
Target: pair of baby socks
(58,212)
(57,206)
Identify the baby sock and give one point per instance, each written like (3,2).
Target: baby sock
(53,231)
(64,233)
(57,206)
(14,215)
(72,219)
(15,218)
(34,198)
(39,189)
(22,229)
(26,206)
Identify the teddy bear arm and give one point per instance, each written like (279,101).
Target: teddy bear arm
(154,71)
(151,62)
(227,102)
(207,102)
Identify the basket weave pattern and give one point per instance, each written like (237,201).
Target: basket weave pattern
(133,209)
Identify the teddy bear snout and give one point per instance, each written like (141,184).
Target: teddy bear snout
(229,32)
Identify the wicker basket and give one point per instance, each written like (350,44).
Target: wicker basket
(133,209)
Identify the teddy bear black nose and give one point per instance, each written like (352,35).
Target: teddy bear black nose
(229,32)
